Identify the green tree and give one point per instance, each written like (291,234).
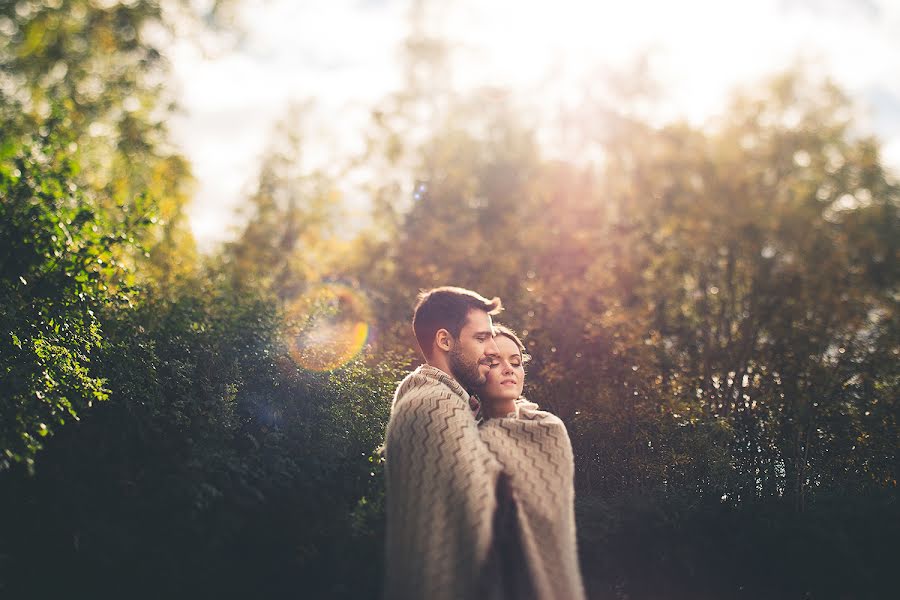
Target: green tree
(89,189)
(98,72)
(57,255)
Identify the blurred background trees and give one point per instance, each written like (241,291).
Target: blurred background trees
(711,310)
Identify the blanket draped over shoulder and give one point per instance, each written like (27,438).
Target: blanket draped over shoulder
(442,472)
(441,481)
(535,451)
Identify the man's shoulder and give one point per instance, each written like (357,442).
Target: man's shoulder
(425,402)
(428,395)
(428,382)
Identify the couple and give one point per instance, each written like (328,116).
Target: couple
(476,508)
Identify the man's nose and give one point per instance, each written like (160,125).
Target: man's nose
(491,347)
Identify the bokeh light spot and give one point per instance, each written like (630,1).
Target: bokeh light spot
(328,327)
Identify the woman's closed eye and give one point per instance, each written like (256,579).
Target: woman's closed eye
(497,363)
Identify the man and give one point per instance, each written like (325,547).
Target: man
(441,478)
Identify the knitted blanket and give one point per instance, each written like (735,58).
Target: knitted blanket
(536,453)
(441,474)
(441,481)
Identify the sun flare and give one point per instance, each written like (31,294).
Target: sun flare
(328,327)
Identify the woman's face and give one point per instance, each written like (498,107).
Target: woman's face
(507,374)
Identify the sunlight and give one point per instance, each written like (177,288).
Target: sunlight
(328,327)
(699,51)
(548,55)
(526,44)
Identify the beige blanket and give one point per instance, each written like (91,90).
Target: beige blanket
(441,474)
(534,449)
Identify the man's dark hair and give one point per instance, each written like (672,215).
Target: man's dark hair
(447,308)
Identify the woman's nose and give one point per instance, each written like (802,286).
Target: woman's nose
(507,368)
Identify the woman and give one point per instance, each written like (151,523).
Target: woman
(536,538)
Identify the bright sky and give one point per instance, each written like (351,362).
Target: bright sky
(343,54)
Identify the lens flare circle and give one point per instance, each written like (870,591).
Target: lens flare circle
(328,327)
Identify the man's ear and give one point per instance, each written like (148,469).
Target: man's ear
(443,339)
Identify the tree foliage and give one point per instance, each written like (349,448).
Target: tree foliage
(712,310)
(58,269)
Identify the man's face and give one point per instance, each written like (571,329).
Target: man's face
(470,355)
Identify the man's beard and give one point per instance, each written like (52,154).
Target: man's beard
(466,373)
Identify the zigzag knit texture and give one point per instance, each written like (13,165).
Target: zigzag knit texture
(534,449)
(442,472)
(441,481)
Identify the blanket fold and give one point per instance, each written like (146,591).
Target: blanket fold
(445,537)
(441,493)
(534,450)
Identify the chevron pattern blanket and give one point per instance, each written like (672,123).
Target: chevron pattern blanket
(441,475)
(534,449)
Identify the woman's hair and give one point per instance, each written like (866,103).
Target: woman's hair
(507,332)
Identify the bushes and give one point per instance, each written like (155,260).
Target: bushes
(653,547)
(218,466)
